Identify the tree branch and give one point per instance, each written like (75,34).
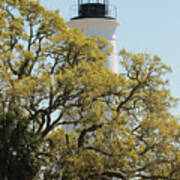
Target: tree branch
(85,131)
(128,98)
(114,174)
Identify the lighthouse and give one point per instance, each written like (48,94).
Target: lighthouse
(98,17)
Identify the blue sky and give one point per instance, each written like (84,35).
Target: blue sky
(145,26)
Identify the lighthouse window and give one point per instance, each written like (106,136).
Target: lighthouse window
(92,1)
(95,9)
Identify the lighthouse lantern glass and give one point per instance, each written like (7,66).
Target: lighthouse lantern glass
(93,1)
(95,9)
(92,8)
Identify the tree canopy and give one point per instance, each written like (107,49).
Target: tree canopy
(64,116)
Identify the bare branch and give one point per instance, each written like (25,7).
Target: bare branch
(128,98)
(115,174)
(85,131)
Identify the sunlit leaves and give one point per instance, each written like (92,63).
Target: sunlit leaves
(116,125)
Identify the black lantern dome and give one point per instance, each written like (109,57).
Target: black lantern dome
(95,9)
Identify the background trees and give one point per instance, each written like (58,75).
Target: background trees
(51,76)
(18,148)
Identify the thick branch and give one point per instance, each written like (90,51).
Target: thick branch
(114,174)
(128,98)
(85,131)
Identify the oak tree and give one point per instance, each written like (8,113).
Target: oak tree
(85,121)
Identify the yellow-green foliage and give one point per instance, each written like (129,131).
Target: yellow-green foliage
(117,125)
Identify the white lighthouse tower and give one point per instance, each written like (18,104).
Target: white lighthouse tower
(98,17)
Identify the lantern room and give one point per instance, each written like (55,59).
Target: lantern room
(95,9)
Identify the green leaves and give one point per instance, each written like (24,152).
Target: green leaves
(65,116)
(18,145)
